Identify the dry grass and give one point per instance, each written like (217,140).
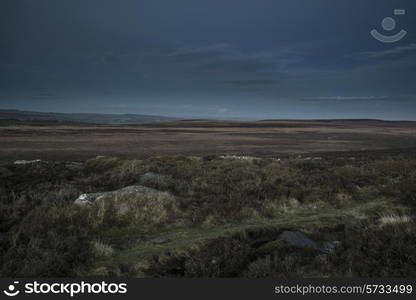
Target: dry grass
(395,219)
(152,208)
(101,249)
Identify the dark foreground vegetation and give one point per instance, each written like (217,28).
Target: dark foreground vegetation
(214,217)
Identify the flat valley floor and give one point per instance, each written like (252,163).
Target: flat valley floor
(200,137)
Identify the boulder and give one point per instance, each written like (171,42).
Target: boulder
(137,203)
(298,239)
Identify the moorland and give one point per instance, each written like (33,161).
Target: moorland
(208,199)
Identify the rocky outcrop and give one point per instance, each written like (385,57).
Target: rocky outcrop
(136,204)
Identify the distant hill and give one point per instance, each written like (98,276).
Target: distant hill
(33,116)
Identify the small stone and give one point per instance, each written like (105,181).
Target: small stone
(4,172)
(161,240)
(237,157)
(329,247)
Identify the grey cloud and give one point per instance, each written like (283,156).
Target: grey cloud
(201,58)
(250,82)
(345,98)
(221,57)
(390,52)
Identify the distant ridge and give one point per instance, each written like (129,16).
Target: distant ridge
(34,116)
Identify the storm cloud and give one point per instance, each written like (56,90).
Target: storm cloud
(208,59)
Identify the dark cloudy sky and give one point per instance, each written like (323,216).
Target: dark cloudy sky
(226,59)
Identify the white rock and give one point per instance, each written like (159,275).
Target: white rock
(25,162)
(236,157)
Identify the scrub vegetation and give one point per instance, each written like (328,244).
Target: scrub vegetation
(214,217)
